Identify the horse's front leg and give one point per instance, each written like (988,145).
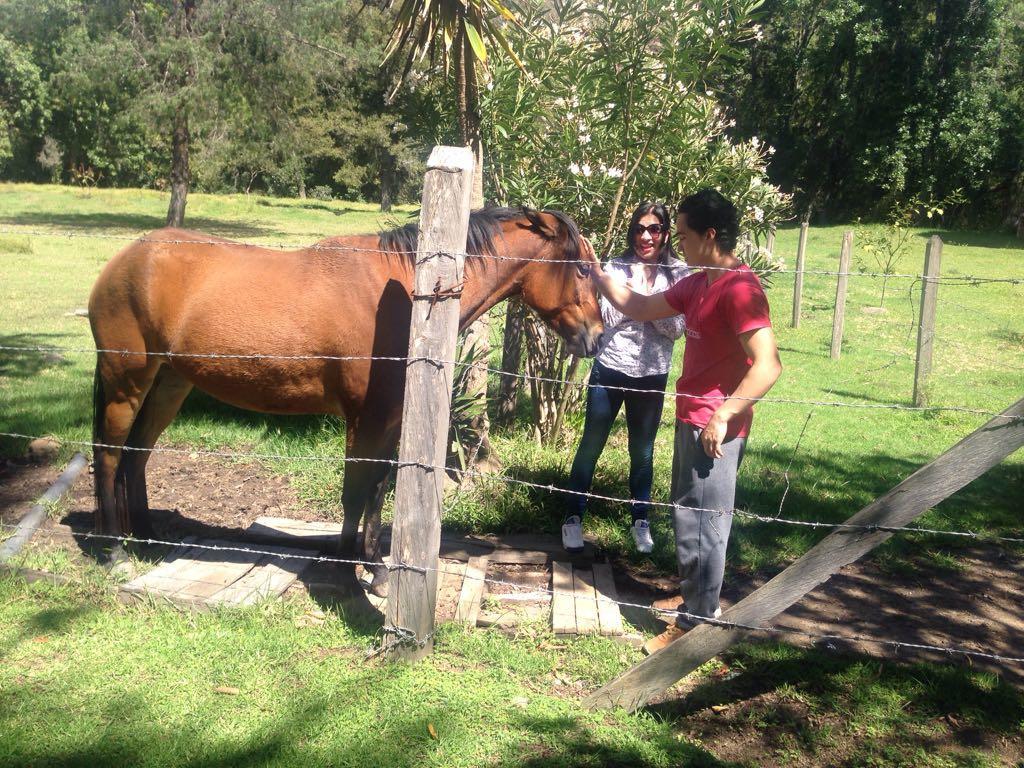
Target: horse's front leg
(363,494)
(371,537)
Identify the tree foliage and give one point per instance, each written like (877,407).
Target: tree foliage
(279,96)
(873,103)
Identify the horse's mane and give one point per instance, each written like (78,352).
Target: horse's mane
(485,229)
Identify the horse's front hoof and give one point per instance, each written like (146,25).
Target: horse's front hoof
(379,585)
(119,566)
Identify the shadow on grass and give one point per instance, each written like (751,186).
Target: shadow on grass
(133,221)
(973,239)
(779,685)
(25,365)
(47,622)
(569,742)
(311,206)
(316,727)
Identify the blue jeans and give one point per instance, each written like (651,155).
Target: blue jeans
(643,415)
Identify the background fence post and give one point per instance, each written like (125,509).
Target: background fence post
(769,244)
(840,312)
(416,533)
(926,328)
(798,283)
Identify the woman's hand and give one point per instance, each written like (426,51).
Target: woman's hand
(589,257)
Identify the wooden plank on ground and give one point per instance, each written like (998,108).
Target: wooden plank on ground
(563,606)
(271,576)
(213,570)
(472,591)
(586,601)
(607,600)
(449,588)
(314,534)
(964,462)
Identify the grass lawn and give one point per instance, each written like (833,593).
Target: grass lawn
(306,696)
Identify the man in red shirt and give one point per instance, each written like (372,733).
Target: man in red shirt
(730,361)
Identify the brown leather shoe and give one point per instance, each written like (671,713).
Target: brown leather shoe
(658,642)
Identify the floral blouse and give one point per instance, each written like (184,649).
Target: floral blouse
(640,348)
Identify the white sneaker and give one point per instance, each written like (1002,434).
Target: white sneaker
(642,536)
(572,534)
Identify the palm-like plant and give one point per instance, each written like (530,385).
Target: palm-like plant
(456,32)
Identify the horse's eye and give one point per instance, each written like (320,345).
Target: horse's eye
(583,269)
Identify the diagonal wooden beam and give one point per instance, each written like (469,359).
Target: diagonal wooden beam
(951,471)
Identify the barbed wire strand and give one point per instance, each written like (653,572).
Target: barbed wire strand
(498,371)
(691,617)
(550,487)
(297,248)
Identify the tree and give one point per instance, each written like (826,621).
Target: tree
(872,103)
(617,105)
(23,103)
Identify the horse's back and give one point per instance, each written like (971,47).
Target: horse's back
(184,291)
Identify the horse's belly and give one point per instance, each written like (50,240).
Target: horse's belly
(261,385)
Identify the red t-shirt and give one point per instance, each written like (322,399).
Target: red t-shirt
(714,361)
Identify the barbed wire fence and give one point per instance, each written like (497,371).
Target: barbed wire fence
(965,280)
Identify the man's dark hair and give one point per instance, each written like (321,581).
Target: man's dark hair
(708,209)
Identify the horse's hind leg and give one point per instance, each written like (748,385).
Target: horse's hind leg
(117,398)
(158,410)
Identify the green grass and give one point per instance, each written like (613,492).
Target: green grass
(87,681)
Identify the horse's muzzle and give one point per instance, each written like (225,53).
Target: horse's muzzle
(586,341)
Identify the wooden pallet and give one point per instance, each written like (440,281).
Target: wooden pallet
(584,600)
(460,591)
(518,548)
(202,578)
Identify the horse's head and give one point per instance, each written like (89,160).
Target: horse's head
(556,279)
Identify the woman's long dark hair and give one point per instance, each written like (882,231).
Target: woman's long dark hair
(648,207)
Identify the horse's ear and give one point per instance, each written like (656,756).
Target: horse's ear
(546,225)
(587,257)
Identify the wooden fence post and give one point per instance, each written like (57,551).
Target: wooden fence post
(970,458)
(769,244)
(798,282)
(926,328)
(416,533)
(840,312)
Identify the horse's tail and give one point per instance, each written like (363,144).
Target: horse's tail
(99,407)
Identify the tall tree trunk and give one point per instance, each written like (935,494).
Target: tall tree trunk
(511,361)
(478,335)
(179,169)
(387,179)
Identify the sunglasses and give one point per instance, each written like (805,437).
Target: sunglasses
(654,229)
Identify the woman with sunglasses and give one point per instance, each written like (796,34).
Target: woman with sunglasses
(633,356)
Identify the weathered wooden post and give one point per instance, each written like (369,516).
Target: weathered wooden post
(770,241)
(926,328)
(416,533)
(948,473)
(840,311)
(798,282)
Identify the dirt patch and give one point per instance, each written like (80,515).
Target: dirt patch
(21,483)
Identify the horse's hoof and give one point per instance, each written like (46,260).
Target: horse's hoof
(379,586)
(123,570)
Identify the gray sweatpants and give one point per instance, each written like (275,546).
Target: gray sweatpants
(700,482)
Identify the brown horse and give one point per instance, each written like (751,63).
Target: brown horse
(164,294)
